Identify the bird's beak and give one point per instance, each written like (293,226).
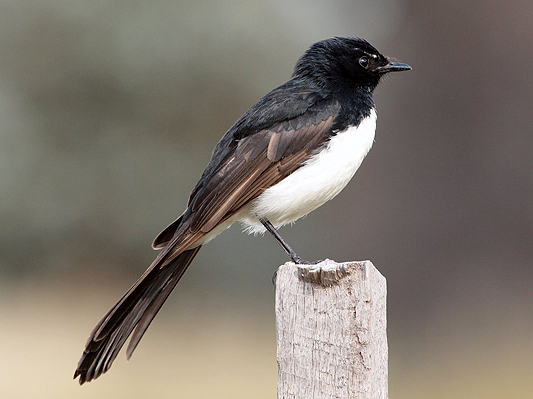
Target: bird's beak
(394,67)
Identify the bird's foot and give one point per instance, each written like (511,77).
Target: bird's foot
(299,261)
(274,278)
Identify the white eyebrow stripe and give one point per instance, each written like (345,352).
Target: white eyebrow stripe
(374,56)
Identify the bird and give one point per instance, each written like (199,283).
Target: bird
(290,153)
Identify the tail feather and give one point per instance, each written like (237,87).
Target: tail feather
(151,312)
(132,313)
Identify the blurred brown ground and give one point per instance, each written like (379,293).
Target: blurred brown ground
(109,113)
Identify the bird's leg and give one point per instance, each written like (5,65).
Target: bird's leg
(293,255)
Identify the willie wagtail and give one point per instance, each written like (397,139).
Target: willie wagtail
(294,150)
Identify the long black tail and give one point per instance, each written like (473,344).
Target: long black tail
(134,311)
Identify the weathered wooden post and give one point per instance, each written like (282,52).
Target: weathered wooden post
(331,331)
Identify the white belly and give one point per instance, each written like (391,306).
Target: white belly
(319,180)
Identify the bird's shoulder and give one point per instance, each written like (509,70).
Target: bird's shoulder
(290,101)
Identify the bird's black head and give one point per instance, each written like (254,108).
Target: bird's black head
(345,61)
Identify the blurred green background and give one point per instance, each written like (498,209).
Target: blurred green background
(109,112)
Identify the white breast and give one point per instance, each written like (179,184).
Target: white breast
(320,179)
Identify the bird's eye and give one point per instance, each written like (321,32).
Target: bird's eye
(363,61)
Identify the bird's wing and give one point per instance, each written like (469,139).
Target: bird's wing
(257,160)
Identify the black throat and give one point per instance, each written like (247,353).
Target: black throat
(356,104)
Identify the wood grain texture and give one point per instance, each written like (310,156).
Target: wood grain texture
(331,331)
